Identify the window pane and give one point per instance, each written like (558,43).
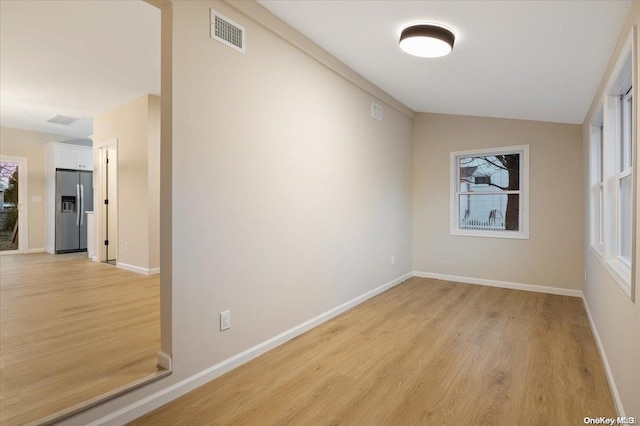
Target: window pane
(626,128)
(625,218)
(601,215)
(597,210)
(489,212)
(600,158)
(489,173)
(629,146)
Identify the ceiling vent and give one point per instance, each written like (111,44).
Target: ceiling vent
(226,31)
(64,120)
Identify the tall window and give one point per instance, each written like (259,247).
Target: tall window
(611,174)
(489,192)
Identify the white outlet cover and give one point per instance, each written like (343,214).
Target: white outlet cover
(225,320)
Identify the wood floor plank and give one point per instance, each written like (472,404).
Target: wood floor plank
(425,352)
(71,329)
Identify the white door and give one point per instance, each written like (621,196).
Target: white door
(112,207)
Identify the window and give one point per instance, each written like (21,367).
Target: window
(611,174)
(489,192)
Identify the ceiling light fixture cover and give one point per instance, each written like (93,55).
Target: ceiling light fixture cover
(427,40)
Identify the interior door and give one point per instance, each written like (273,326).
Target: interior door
(111,209)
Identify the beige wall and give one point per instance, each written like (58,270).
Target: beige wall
(288,198)
(136,126)
(29,144)
(545,259)
(616,317)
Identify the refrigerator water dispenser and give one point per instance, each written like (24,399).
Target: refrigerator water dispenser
(68,204)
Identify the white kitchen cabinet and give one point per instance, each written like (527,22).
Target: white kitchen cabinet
(72,157)
(66,158)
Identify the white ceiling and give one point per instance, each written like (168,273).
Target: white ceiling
(533,60)
(536,60)
(76,58)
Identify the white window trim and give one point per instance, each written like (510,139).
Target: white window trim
(523,233)
(596,185)
(620,270)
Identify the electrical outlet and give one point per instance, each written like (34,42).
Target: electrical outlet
(393,260)
(126,246)
(225,320)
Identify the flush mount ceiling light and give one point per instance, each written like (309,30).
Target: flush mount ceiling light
(427,40)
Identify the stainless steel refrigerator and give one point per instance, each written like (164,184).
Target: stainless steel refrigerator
(74,196)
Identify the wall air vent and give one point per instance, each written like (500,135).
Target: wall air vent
(226,31)
(376,111)
(65,120)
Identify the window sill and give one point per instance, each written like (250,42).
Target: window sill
(621,273)
(519,235)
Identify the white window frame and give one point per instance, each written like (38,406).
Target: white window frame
(596,183)
(523,228)
(614,96)
(625,170)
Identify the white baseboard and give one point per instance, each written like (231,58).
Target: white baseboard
(36,250)
(605,362)
(502,284)
(138,269)
(50,250)
(164,360)
(176,390)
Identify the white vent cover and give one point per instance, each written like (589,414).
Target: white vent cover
(65,120)
(226,31)
(376,111)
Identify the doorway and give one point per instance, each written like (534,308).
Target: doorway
(13,204)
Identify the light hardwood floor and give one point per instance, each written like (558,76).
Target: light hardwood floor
(426,352)
(72,329)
